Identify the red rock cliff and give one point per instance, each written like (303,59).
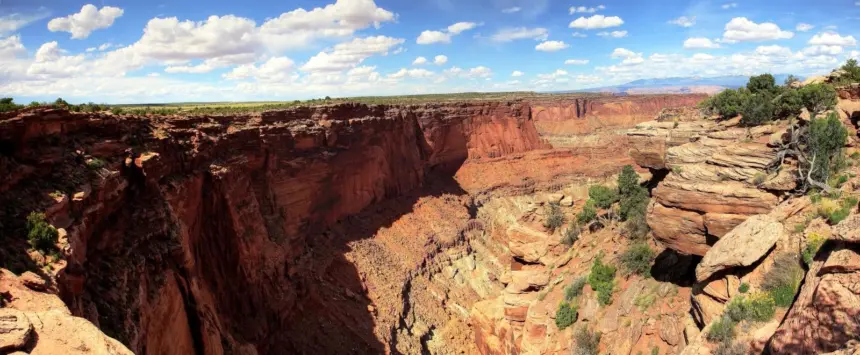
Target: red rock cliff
(589,114)
(197,234)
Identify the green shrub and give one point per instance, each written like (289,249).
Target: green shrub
(732,348)
(602,196)
(791,79)
(602,280)
(764,83)
(565,315)
(744,288)
(588,213)
(728,103)
(634,204)
(655,351)
(571,235)
(852,73)
(41,235)
(554,217)
(637,259)
(835,212)
(783,279)
(722,330)
(95,164)
(587,342)
(813,243)
(575,289)
(758,109)
(8,104)
(758,307)
(628,181)
(636,227)
(827,136)
(818,98)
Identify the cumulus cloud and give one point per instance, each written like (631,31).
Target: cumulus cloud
(89,19)
(512,34)
(412,73)
(11,47)
(741,29)
(517,73)
(512,10)
(479,72)
(419,61)
(431,37)
(576,62)
(700,43)
(551,46)
(579,35)
(440,60)
(613,34)
(684,21)
(276,69)
(350,54)
(803,27)
(822,50)
(730,5)
(596,21)
(773,51)
(585,10)
(629,57)
(300,27)
(832,39)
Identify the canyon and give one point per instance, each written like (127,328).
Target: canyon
(406,229)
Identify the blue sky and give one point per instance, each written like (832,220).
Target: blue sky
(170,50)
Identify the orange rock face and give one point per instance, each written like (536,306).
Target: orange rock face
(198,233)
(588,115)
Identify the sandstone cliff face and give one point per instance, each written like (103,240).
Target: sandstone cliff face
(203,234)
(718,177)
(590,114)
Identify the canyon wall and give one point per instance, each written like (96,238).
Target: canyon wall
(585,115)
(206,234)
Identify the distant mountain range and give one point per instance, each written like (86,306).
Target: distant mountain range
(708,85)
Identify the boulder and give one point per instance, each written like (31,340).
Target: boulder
(743,246)
(15,330)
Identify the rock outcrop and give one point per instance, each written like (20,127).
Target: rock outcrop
(580,116)
(717,178)
(209,234)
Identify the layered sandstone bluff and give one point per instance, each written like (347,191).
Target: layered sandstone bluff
(198,234)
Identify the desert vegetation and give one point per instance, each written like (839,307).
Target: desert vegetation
(602,280)
(41,235)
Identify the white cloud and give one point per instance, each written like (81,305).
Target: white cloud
(579,35)
(803,27)
(276,69)
(854,54)
(585,10)
(81,24)
(700,57)
(51,63)
(13,22)
(576,62)
(168,39)
(512,34)
(773,51)
(440,60)
(479,72)
(153,75)
(629,57)
(596,21)
(741,29)
(730,5)
(551,46)
(684,21)
(431,37)
(821,50)
(350,54)
(419,61)
(511,10)
(11,47)
(412,73)
(613,34)
(517,73)
(300,27)
(588,79)
(700,43)
(832,39)
(460,27)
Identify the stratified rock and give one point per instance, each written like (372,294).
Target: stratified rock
(15,330)
(826,314)
(743,246)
